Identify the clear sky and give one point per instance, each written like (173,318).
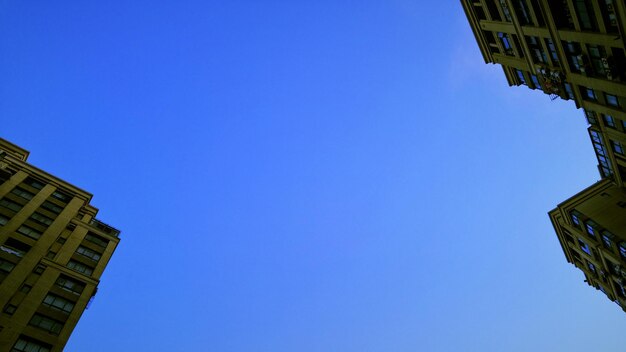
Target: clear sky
(311,176)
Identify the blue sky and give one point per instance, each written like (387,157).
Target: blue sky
(293,176)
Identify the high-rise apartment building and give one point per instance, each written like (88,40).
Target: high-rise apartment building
(52,253)
(591,227)
(569,49)
(573,50)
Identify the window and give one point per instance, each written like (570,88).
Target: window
(608,121)
(506,43)
(611,99)
(584,246)
(52,207)
(84,251)
(605,164)
(607,239)
(96,239)
(589,93)
(590,226)
(48,324)
(39,269)
(591,117)
(523,14)
(22,193)
(6,266)
(505,10)
(591,267)
(33,183)
(520,75)
(622,249)
(575,218)
(586,17)
(534,44)
(25,344)
(553,55)
(10,309)
(596,55)
(3,220)
(617,147)
(569,91)
(29,232)
(59,303)
(40,218)
(70,285)
(535,81)
(15,247)
(61,196)
(80,267)
(9,204)
(25,288)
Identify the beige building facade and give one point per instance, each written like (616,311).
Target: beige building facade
(53,251)
(568,49)
(591,227)
(573,50)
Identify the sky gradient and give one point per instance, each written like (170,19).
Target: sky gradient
(305,176)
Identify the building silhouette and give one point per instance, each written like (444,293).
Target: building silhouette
(573,50)
(52,253)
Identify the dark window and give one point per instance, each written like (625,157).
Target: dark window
(58,302)
(590,227)
(522,11)
(584,246)
(539,56)
(506,11)
(591,267)
(29,232)
(27,344)
(9,309)
(15,247)
(568,90)
(506,43)
(611,99)
(535,81)
(617,147)
(52,207)
(40,218)
(22,193)
(33,183)
(607,239)
(608,121)
(9,204)
(585,13)
(6,266)
(520,75)
(61,196)
(45,323)
(552,50)
(80,267)
(84,251)
(96,239)
(591,117)
(70,285)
